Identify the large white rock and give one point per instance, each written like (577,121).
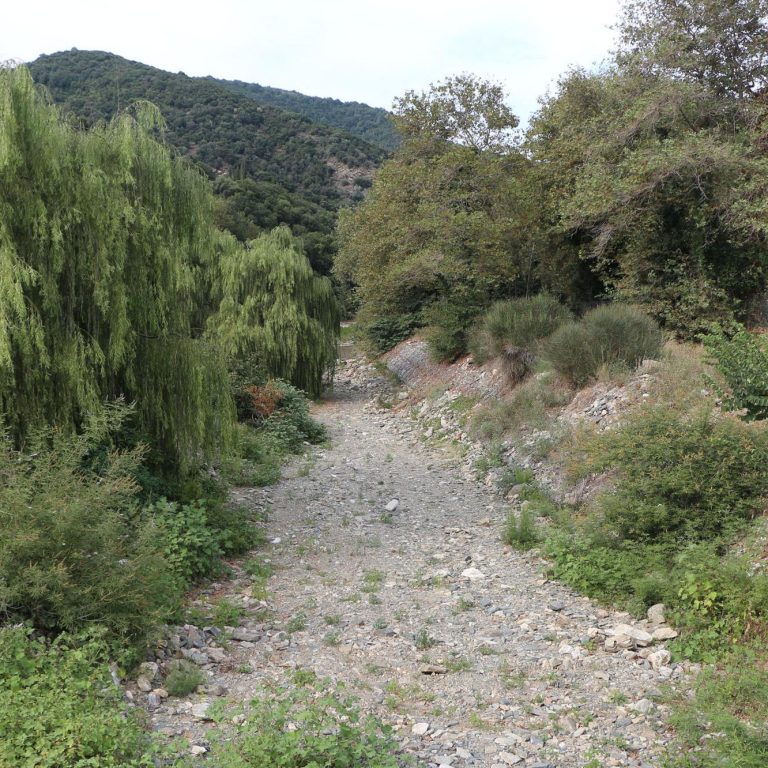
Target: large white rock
(473,574)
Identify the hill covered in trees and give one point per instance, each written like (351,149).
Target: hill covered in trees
(370,123)
(269,166)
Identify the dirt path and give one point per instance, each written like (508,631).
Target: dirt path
(378,599)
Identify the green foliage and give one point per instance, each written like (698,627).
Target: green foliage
(611,336)
(447,321)
(183,678)
(684,486)
(59,706)
(331,733)
(697,478)
(272,307)
(384,333)
(724,722)
(444,220)
(520,322)
(742,359)
(520,530)
(372,124)
(190,546)
(74,550)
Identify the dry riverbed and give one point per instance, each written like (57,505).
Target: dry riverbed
(391,577)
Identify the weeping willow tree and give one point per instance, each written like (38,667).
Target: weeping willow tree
(104,242)
(273,306)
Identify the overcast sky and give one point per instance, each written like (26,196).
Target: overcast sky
(361,50)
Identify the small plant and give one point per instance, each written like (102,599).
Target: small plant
(463,605)
(183,678)
(520,530)
(332,639)
(458,664)
(332,620)
(424,640)
(380,624)
(373,581)
(297,623)
(227,614)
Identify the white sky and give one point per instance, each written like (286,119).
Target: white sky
(363,50)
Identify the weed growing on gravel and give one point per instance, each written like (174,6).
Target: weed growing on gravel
(462,605)
(227,614)
(332,639)
(372,581)
(520,530)
(297,623)
(183,678)
(458,664)
(333,733)
(424,640)
(332,620)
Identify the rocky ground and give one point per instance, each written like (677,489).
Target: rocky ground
(392,578)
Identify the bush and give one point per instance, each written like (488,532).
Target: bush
(333,734)
(448,320)
(520,532)
(742,359)
(694,478)
(59,706)
(73,549)
(190,545)
(613,336)
(520,322)
(386,332)
(183,678)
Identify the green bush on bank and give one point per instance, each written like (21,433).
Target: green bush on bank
(520,322)
(59,706)
(74,550)
(613,336)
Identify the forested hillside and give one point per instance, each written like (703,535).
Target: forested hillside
(269,166)
(370,123)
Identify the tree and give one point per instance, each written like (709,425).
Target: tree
(721,44)
(463,110)
(444,223)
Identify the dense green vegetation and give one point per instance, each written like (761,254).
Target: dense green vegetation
(369,123)
(642,182)
(270,166)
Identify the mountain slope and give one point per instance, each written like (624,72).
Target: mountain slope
(268,165)
(369,123)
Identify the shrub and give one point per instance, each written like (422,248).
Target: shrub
(333,733)
(448,320)
(520,532)
(698,477)
(59,706)
(191,546)
(183,678)
(520,322)
(614,336)
(73,550)
(742,359)
(386,332)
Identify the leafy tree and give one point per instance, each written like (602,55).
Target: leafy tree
(719,44)
(464,110)
(274,308)
(445,220)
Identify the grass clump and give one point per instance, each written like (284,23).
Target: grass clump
(522,322)
(613,336)
(332,733)
(183,678)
